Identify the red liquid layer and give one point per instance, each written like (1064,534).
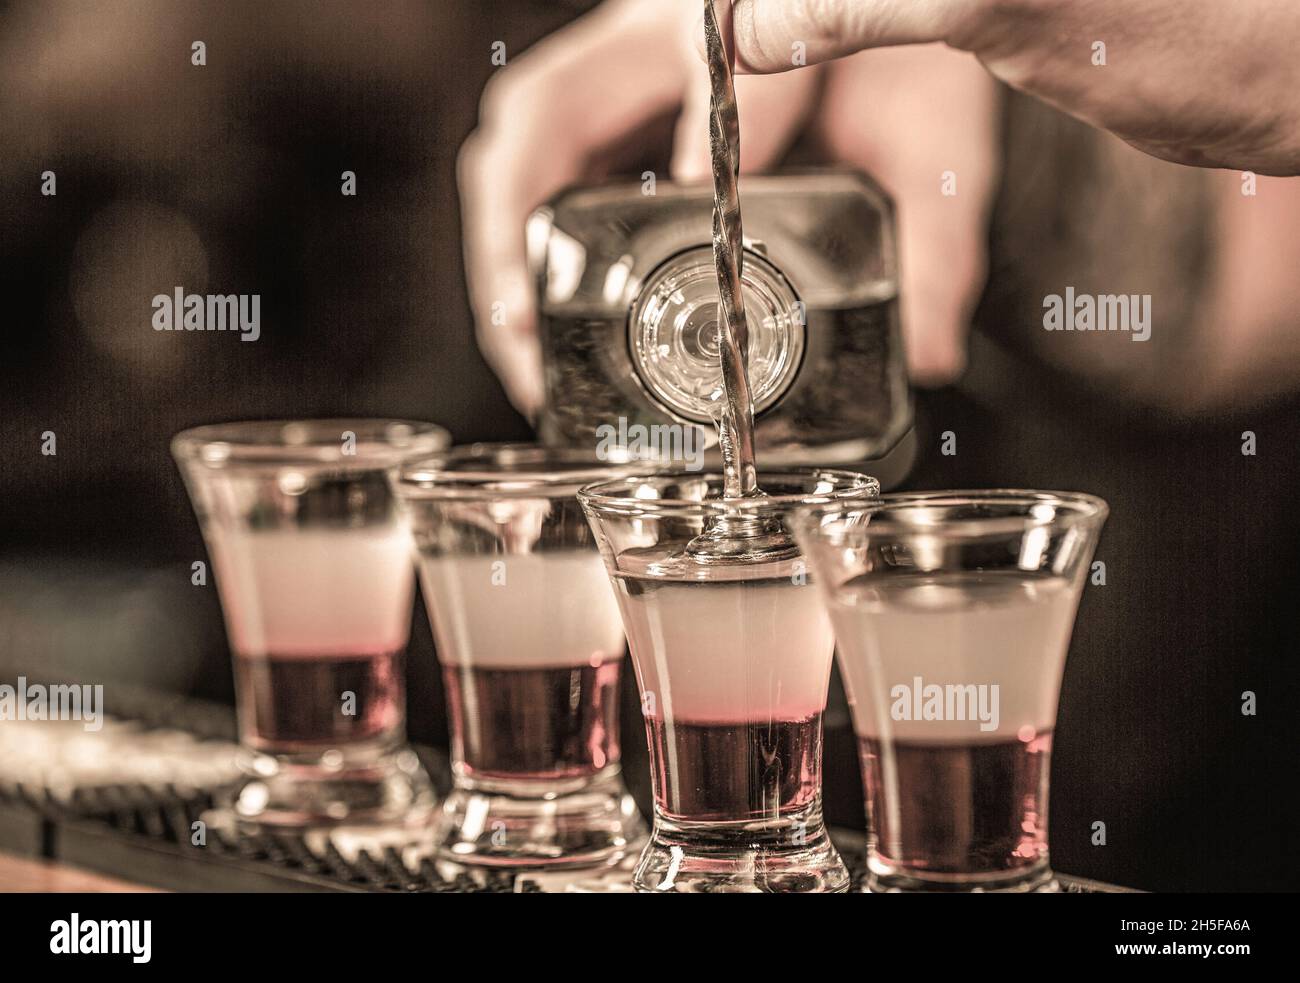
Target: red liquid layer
(292,704)
(534,724)
(727,772)
(960,808)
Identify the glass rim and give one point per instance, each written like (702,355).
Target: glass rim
(1078,507)
(848,486)
(522,470)
(310,442)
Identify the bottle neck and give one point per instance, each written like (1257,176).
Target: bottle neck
(673,334)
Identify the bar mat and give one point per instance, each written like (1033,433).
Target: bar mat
(123,802)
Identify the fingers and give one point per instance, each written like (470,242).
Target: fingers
(496,268)
(772,110)
(542,117)
(778,35)
(932,143)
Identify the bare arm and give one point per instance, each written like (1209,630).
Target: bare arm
(1197,82)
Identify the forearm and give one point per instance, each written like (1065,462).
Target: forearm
(1200,82)
(1195,81)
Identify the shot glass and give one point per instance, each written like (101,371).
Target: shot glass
(532,650)
(952,615)
(313,567)
(732,651)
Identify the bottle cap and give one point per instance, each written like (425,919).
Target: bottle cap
(673,334)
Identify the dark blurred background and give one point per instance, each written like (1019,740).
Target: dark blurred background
(226,178)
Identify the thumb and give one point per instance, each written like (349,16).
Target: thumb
(778,35)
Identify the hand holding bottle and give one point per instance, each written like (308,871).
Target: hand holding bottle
(585,101)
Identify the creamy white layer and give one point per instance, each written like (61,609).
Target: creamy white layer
(315,593)
(907,643)
(526,611)
(731,652)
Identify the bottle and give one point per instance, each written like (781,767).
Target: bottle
(628,302)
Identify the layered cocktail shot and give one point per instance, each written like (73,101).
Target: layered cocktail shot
(531,647)
(312,562)
(953,613)
(732,651)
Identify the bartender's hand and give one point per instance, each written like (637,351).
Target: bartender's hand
(1200,82)
(921,120)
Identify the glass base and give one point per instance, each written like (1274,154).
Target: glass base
(792,855)
(530,824)
(883,878)
(369,784)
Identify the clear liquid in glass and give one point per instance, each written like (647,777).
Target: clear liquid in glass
(953,796)
(318,622)
(733,678)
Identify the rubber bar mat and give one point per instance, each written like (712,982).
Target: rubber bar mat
(123,802)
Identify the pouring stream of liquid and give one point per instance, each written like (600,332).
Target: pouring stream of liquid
(736,416)
(736,535)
